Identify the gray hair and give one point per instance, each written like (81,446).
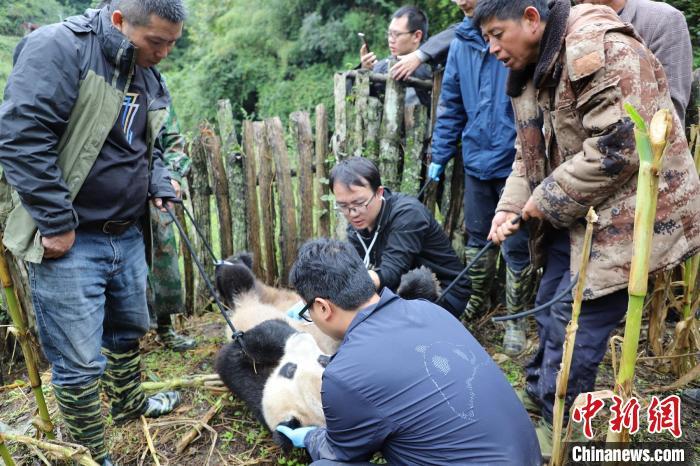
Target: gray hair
(507,9)
(138,12)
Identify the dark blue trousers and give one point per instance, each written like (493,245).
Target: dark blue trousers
(597,320)
(480,201)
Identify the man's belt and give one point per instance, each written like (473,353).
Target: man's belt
(109,227)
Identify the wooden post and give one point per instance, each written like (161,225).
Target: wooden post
(416,123)
(323,207)
(361,91)
(288,222)
(250,197)
(301,127)
(340,136)
(187,259)
(200,191)
(391,131)
(235,175)
(692,116)
(456,197)
(264,161)
(372,128)
(220,185)
(431,192)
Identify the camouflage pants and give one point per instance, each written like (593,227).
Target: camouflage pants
(165,294)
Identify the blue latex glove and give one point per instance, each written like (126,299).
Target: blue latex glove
(434,171)
(293,312)
(297,436)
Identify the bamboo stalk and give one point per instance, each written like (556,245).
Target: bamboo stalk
(197,381)
(149,441)
(58,450)
(192,434)
(22,334)
(570,342)
(650,146)
(5,453)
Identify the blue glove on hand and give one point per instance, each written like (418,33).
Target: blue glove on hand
(297,436)
(434,171)
(293,312)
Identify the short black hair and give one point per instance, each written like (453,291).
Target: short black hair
(507,9)
(417,19)
(138,12)
(331,269)
(356,171)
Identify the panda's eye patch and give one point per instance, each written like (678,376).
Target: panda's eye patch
(288,370)
(323,360)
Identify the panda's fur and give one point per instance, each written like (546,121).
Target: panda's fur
(277,364)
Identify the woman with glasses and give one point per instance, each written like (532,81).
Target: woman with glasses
(407,30)
(393,232)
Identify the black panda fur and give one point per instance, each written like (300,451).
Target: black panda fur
(419,283)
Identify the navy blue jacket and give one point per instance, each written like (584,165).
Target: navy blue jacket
(473,102)
(410,381)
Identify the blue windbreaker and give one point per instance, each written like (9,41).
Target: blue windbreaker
(473,102)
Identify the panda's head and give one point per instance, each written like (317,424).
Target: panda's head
(419,283)
(292,394)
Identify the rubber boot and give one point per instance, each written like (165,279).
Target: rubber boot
(481,275)
(519,291)
(122,384)
(82,416)
(170,338)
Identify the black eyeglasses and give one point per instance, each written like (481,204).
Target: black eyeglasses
(361,207)
(393,35)
(304,312)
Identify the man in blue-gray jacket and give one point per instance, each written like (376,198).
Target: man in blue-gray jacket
(408,380)
(473,103)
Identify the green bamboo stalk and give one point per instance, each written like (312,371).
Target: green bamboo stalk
(5,453)
(570,341)
(173,384)
(13,308)
(650,147)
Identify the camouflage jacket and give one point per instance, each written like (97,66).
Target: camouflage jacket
(174,147)
(576,145)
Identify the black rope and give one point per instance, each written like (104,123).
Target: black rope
(236,334)
(201,236)
(541,307)
(515,221)
(425,186)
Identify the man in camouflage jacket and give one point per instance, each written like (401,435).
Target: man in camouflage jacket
(572,69)
(165,295)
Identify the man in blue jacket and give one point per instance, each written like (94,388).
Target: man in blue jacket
(473,103)
(407,380)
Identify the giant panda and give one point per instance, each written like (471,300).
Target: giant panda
(276,371)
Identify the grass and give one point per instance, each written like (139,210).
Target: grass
(7,46)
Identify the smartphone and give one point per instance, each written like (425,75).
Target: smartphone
(364,40)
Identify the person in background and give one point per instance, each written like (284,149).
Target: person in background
(407,30)
(394,233)
(474,107)
(408,380)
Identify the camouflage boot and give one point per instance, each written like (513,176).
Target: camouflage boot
(82,416)
(519,290)
(122,384)
(170,338)
(481,275)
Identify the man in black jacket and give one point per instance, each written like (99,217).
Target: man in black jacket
(393,232)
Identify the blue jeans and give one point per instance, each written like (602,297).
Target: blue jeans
(598,318)
(93,296)
(480,201)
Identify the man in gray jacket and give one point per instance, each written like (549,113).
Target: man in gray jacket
(78,145)
(665,32)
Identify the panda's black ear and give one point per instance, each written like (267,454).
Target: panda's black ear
(244,257)
(233,279)
(281,439)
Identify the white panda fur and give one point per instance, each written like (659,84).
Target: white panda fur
(298,397)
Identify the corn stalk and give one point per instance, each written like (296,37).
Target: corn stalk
(5,453)
(22,334)
(650,147)
(569,343)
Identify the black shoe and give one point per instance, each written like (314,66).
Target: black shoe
(174,341)
(691,396)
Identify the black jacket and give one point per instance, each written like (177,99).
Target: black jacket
(408,236)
